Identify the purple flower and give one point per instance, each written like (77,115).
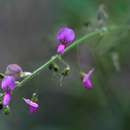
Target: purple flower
(33,106)
(14,70)
(61,49)
(87,83)
(64,37)
(6,99)
(8,83)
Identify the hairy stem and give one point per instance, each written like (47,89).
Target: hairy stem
(73,45)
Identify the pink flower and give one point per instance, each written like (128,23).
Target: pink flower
(33,106)
(61,49)
(87,83)
(64,37)
(8,83)
(6,99)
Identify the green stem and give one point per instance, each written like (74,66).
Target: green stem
(37,71)
(73,45)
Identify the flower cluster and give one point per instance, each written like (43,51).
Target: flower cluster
(8,84)
(13,74)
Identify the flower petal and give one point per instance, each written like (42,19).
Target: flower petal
(8,83)
(6,99)
(31,103)
(65,35)
(61,49)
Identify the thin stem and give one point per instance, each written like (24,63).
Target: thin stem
(37,71)
(73,45)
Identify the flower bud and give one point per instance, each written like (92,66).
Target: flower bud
(6,99)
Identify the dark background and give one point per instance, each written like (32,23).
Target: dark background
(27,37)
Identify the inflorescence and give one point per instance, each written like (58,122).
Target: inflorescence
(14,76)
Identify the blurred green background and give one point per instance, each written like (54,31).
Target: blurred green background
(27,37)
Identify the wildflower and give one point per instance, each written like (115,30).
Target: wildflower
(61,49)
(14,70)
(8,83)
(64,36)
(87,83)
(33,106)
(6,99)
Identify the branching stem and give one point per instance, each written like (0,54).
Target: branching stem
(73,45)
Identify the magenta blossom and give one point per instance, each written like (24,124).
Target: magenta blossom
(8,83)
(6,99)
(87,83)
(61,49)
(33,106)
(64,37)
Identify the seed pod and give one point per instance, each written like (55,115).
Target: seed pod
(54,67)
(66,71)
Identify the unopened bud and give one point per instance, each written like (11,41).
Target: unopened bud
(25,74)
